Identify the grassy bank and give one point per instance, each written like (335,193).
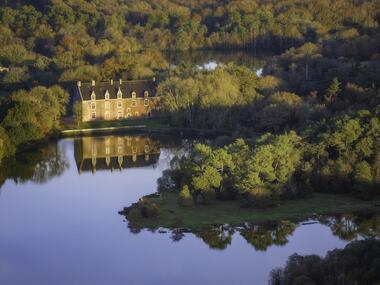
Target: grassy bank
(148,122)
(172,215)
(158,125)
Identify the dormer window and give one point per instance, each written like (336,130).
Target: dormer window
(93,96)
(119,94)
(133,94)
(107,95)
(146,94)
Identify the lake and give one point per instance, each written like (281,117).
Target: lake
(59,222)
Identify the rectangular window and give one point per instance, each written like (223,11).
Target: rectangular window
(119,115)
(133,104)
(119,104)
(93,115)
(93,105)
(146,102)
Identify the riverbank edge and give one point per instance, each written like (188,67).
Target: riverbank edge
(172,216)
(142,128)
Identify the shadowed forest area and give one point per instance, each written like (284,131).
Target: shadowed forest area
(357,263)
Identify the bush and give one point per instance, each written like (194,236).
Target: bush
(185,198)
(148,209)
(363,187)
(133,214)
(258,196)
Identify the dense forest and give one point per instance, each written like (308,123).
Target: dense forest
(49,40)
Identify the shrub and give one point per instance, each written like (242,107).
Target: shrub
(185,198)
(258,196)
(363,181)
(148,209)
(133,214)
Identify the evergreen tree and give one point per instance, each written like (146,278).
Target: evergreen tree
(333,90)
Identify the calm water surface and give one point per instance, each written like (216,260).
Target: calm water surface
(59,222)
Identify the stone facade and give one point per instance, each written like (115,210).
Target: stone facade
(117,100)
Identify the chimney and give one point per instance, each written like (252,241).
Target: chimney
(93,82)
(120,81)
(154,79)
(111,81)
(79,83)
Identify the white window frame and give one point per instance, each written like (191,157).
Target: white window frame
(93,95)
(146,102)
(93,105)
(133,94)
(107,95)
(146,94)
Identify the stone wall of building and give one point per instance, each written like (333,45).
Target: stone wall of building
(119,109)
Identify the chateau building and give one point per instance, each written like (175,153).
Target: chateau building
(115,152)
(117,100)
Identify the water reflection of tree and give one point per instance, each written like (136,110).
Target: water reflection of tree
(216,237)
(352,226)
(39,165)
(263,236)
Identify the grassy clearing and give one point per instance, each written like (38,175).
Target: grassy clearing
(172,215)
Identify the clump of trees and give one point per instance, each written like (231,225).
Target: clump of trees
(336,156)
(344,155)
(258,174)
(28,116)
(357,263)
(218,99)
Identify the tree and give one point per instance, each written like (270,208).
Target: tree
(77,110)
(333,90)
(185,198)
(363,180)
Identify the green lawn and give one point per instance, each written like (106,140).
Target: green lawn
(231,212)
(148,122)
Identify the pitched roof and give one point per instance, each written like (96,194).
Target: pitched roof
(126,88)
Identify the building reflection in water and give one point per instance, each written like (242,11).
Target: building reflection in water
(115,152)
